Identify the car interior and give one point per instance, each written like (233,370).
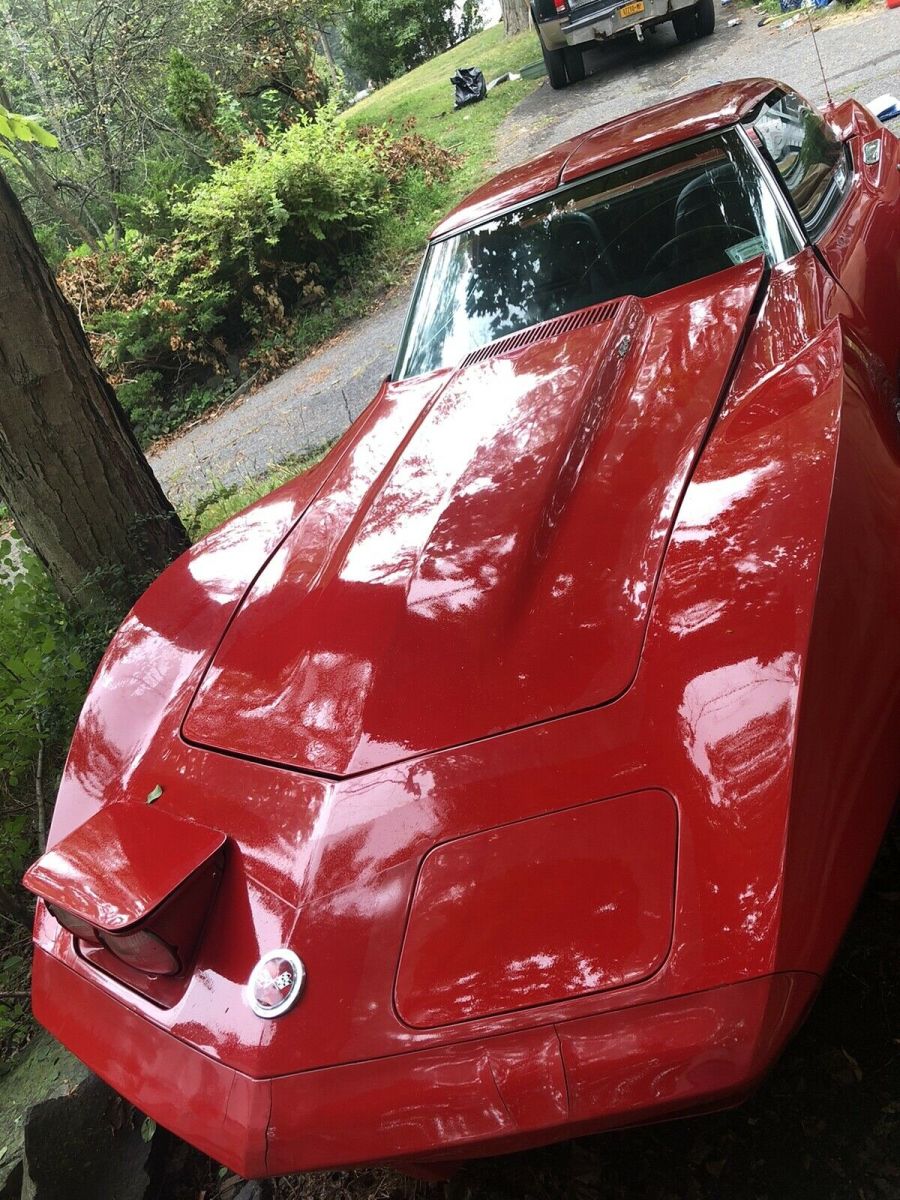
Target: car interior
(646,231)
(653,238)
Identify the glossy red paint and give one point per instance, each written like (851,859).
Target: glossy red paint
(366,638)
(487,1096)
(862,249)
(763,698)
(146,854)
(596,882)
(642,132)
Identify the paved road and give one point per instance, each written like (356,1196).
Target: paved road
(861,57)
(316,399)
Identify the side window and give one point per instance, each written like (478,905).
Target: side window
(810,159)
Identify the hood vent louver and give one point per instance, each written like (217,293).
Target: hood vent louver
(594,315)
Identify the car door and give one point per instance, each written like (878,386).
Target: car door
(845,193)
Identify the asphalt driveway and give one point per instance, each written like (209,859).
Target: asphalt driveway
(316,399)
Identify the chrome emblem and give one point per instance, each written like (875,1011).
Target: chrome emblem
(276,983)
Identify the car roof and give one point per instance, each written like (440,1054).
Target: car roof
(626,137)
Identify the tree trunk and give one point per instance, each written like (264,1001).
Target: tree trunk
(78,488)
(327,51)
(516,16)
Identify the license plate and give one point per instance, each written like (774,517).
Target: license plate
(629,10)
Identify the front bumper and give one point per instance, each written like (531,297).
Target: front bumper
(465,1100)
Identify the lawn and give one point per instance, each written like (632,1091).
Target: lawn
(223,502)
(426,95)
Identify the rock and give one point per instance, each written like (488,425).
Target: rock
(86,1143)
(43,1071)
(255,1189)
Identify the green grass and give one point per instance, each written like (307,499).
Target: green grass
(224,501)
(426,95)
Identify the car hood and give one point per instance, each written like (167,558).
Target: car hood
(483,556)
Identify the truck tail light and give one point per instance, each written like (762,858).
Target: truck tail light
(560,6)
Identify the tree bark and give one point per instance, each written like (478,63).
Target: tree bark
(77,485)
(516,16)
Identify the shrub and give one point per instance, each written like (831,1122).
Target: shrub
(398,155)
(43,672)
(255,248)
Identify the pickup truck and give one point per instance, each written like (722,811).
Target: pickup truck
(567,27)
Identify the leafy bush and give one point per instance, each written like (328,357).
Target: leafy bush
(256,249)
(190,93)
(46,660)
(43,672)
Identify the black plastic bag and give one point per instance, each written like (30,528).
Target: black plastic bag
(470,86)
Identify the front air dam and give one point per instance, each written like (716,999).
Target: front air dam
(483,1096)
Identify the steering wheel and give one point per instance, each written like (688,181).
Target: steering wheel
(678,248)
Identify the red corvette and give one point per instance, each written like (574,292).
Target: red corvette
(514,773)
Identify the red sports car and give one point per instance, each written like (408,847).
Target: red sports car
(513,773)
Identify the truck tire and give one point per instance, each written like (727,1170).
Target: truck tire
(685,24)
(706,17)
(555,62)
(574,60)
(698,21)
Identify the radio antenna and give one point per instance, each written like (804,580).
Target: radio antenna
(808,9)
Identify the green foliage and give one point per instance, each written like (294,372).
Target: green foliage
(43,670)
(45,665)
(154,415)
(311,184)
(214,116)
(16,128)
(264,234)
(131,87)
(470,19)
(250,267)
(387,37)
(16,1023)
(190,93)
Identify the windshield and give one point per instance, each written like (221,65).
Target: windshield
(637,229)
